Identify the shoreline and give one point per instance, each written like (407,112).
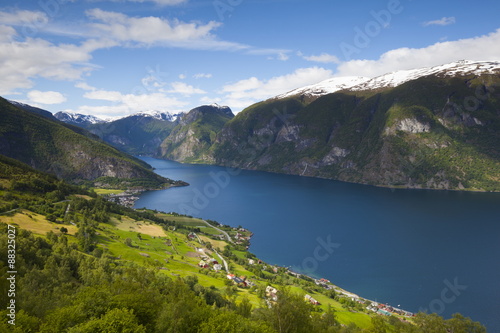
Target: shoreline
(386,186)
(377,307)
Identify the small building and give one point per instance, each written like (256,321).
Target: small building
(203,264)
(272,293)
(251,262)
(217,267)
(311,300)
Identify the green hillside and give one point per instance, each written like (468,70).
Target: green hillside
(84,264)
(67,151)
(191,140)
(136,135)
(433,132)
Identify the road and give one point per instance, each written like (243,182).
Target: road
(221,231)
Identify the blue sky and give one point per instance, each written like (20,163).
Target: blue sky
(111,58)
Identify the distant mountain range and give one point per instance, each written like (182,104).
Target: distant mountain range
(436,127)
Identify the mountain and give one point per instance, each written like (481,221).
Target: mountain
(49,146)
(435,128)
(137,134)
(32,109)
(159,115)
(326,87)
(191,139)
(77,119)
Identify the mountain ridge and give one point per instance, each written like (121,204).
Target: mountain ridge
(69,153)
(436,128)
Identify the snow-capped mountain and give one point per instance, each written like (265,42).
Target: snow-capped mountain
(326,87)
(462,67)
(159,115)
(394,79)
(77,118)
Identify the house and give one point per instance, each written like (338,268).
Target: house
(311,300)
(272,293)
(213,261)
(203,264)
(217,267)
(230,276)
(251,262)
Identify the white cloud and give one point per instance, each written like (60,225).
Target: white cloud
(182,76)
(126,104)
(84,86)
(248,91)
(202,76)
(22,61)
(443,21)
(210,100)
(23,58)
(24,17)
(485,47)
(104,95)
(323,58)
(156,31)
(283,56)
(184,88)
(46,97)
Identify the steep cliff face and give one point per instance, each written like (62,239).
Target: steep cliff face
(191,140)
(436,131)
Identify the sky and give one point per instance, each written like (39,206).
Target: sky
(112,58)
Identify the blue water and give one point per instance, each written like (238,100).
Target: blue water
(418,249)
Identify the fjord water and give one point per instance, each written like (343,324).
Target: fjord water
(420,249)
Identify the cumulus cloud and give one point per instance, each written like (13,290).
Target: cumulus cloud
(84,86)
(46,97)
(486,47)
(184,88)
(24,58)
(156,31)
(248,91)
(125,104)
(443,21)
(323,58)
(21,61)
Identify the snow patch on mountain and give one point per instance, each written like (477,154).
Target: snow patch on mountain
(159,115)
(326,87)
(77,118)
(462,67)
(394,79)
